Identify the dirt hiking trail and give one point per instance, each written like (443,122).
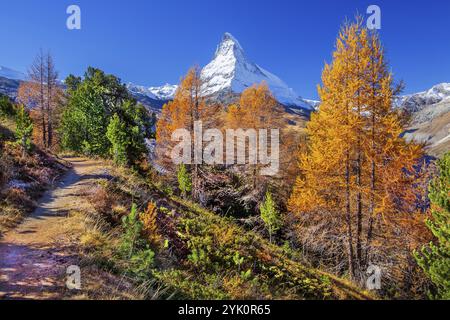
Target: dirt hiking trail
(34,256)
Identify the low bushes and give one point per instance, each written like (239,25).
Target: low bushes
(196,254)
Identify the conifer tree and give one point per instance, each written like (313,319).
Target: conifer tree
(187,107)
(117,135)
(257,109)
(24,129)
(270,215)
(7,108)
(42,93)
(357,166)
(97,103)
(435,258)
(149,222)
(184,180)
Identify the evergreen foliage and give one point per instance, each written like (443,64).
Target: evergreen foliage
(24,129)
(100,106)
(184,180)
(117,135)
(134,247)
(435,258)
(270,215)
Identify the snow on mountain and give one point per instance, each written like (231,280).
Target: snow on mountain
(140,90)
(11,74)
(165,92)
(430,118)
(313,103)
(416,102)
(10,81)
(231,71)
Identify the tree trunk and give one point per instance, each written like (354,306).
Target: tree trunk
(42,105)
(371,213)
(359,213)
(372,176)
(359,206)
(49,111)
(351,262)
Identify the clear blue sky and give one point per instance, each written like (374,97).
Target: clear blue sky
(152,42)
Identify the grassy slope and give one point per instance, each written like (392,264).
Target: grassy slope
(287,279)
(207,256)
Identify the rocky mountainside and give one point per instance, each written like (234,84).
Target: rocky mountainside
(9,87)
(418,101)
(430,121)
(153,97)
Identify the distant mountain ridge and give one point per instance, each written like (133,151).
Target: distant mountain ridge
(11,74)
(414,102)
(165,92)
(226,76)
(152,97)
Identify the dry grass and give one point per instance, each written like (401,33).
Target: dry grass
(175,271)
(23,180)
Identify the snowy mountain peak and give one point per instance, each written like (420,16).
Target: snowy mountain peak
(441,91)
(415,102)
(229,47)
(231,71)
(165,92)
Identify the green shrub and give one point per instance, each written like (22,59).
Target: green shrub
(134,247)
(7,108)
(184,180)
(435,258)
(270,215)
(24,129)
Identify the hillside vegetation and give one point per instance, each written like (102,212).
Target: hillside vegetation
(23,179)
(194,253)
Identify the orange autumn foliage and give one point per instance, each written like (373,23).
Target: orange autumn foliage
(257,109)
(149,221)
(357,165)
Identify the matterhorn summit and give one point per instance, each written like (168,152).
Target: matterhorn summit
(231,72)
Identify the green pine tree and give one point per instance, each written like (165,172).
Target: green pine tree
(24,129)
(270,215)
(434,259)
(132,231)
(184,180)
(92,102)
(117,135)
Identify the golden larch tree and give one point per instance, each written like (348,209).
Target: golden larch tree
(188,106)
(257,109)
(357,166)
